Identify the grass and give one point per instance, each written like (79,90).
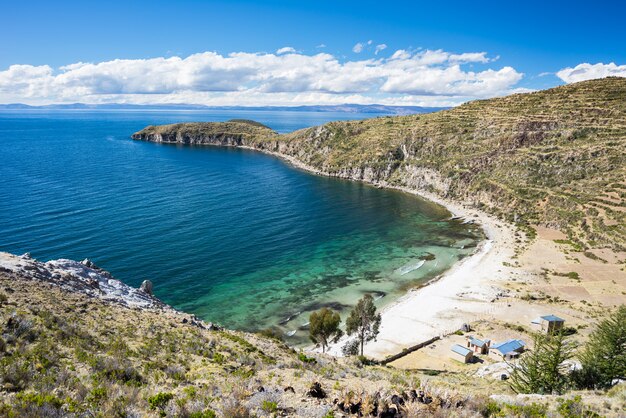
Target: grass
(542,158)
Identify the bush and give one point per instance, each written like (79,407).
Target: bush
(351,348)
(272,334)
(574,408)
(117,370)
(160,400)
(269,406)
(303,358)
(204,414)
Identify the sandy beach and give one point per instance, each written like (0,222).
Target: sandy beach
(466,292)
(494,284)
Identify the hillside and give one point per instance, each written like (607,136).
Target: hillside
(76,342)
(553,158)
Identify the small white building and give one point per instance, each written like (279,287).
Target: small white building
(462,354)
(477,345)
(548,324)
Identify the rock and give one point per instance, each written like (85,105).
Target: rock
(146,287)
(260,389)
(316,391)
(397,400)
(388,412)
(185,320)
(88,263)
(27,256)
(290,389)
(214,327)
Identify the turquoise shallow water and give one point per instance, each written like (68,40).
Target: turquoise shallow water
(235,236)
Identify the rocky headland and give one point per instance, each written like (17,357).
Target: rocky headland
(543,172)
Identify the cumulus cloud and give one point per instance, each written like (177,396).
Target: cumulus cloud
(285,50)
(379,48)
(588,71)
(287,77)
(358,47)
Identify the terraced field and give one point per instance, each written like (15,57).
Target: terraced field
(553,158)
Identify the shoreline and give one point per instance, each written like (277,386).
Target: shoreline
(440,306)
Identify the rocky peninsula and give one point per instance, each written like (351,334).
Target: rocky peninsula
(543,173)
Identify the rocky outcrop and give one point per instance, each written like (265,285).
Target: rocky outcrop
(82,277)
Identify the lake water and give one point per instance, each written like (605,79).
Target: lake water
(237,237)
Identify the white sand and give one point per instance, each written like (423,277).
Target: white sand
(466,292)
(462,294)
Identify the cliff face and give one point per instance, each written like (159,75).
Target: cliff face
(554,157)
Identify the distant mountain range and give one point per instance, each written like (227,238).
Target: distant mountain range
(344,108)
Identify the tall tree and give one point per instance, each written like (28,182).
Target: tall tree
(542,370)
(604,357)
(364,321)
(324,327)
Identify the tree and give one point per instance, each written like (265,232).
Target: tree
(324,327)
(604,357)
(364,321)
(542,370)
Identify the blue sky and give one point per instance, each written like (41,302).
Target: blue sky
(524,45)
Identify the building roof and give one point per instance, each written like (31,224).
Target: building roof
(477,342)
(459,349)
(552,318)
(508,346)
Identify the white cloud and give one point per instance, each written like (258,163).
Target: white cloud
(286,77)
(285,50)
(380,48)
(400,54)
(321,46)
(357,48)
(588,71)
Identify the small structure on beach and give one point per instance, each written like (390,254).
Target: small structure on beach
(461,353)
(509,349)
(549,324)
(477,345)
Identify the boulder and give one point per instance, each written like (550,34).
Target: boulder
(316,391)
(146,287)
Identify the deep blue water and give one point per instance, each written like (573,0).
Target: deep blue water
(235,236)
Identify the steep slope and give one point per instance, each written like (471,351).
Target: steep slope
(554,158)
(74,347)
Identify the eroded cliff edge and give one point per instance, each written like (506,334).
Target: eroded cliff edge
(553,158)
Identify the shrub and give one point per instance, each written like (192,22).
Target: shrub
(574,408)
(219,358)
(204,414)
(160,400)
(269,406)
(350,348)
(303,358)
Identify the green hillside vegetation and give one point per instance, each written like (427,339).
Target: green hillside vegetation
(67,354)
(554,158)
